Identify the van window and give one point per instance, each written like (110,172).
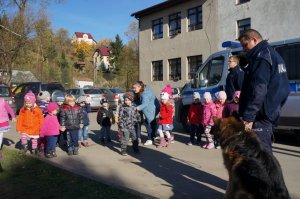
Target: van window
(291,57)
(211,73)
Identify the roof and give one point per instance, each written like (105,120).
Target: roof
(157,7)
(22,76)
(104,51)
(80,35)
(83,79)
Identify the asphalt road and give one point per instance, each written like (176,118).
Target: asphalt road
(178,171)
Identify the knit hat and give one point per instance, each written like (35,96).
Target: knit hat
(103,100)
(196,95)
(164,96)
(43,95)
(51,107)
(60,99)
(167,89)
(221,95)
(207,96)
(30,97)
(237,94)
(81,99)
(128,96)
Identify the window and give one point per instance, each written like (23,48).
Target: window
(290,55)
(157,28)
(194,62)
(211,73)
(243,25)
(157,68)
(195,18)
(174,24)
(242,1)
(175,69)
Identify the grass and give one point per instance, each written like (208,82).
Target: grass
(27,177)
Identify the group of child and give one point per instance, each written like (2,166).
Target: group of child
(200,116)
(46,123)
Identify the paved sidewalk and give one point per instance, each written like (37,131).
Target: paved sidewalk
(179,171)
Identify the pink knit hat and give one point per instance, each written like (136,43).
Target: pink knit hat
(30,97)
(222,95)
(207,95)
(237,94)
(51,107)
(167,89)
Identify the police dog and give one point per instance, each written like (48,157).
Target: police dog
(253,172)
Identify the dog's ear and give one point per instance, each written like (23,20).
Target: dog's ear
(216,120)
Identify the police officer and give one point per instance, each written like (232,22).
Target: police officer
(235,77)
(265,88)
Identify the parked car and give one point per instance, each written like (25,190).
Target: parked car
(93,95)
(7,95)
(53,88)
(113,96)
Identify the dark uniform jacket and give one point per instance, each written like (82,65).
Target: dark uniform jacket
(234,81)
(104,117)
(266,85)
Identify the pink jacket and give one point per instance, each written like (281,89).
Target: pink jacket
(220,109)
(50,126)
(209,110)
(5,109)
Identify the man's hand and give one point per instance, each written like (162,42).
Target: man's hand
(81,126)
(63,128)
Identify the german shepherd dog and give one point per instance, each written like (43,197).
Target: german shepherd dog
(254,172)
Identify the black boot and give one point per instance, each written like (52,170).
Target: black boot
(135,146)
(70,151)
(24,148)
(75,152)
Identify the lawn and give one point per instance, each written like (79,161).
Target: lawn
(27,177)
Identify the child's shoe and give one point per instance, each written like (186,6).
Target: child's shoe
(204,146)
(124,153)
(85,144)
(169,142)
(48,155)
(108,140)
(162,142)
(24,149)
(75,152)
(148,142)
(190,143)
(210,145)
(53,153)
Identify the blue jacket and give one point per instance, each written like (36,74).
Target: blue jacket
(234,81)
(266,85)
(85,110)
(149,104)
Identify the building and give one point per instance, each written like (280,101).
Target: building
(81,36)
(81,82)
(176,36)
(101,58)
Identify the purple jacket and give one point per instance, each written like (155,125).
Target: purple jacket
(230,108)
(50,126)
(209,110)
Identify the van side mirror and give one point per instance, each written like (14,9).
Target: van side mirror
(203,83)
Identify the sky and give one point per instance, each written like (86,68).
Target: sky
(101,18)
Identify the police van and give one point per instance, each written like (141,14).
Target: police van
(211,77)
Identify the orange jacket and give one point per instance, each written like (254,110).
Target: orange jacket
(30,121)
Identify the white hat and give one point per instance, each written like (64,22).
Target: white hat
(221,95)
(207,95)
(164,96)
(196,95)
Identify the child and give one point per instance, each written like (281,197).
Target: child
(50,130)
(105,118)
(83,133)
(220,105)
(168,89)
(60,101)
(71,120)
(43,99)
(165,120)
(129,117)
(30,122)
(209,110)
(5,110)
(120,104)
(232,106)
(195,118)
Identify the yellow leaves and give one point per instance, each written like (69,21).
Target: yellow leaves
(82,50)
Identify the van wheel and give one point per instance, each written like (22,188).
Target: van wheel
(183,119)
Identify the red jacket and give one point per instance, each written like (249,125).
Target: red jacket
(166,114)
(195,113)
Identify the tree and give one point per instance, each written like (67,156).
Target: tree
(104,42)
(117,47)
